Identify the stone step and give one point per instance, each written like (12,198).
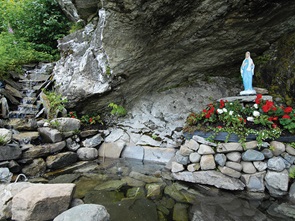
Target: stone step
(19,114)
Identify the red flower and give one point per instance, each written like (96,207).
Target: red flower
(208,115)
(222,104)
(270,119)
(72,116)
(268,106)
(288,110)
(90,119)
(219,127)
(274,126)
(204,111)
(258,98)
(275,118)
(286,116)
(71,113)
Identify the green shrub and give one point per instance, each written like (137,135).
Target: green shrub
(117,110)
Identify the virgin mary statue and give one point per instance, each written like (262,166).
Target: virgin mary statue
(247,72)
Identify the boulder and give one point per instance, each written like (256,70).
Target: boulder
(234,165)
(184,160)
(207,162)
(29,204)
(276,164)
(229,172)
(192,144)
(10,152)
(61,160)
(193,167)
(85,212)
(277,182)
(205,149)
(36,168)
(254,182)
(160,155)
(87,153)
(277,147)
(176,167)
(72,144)
(133,152)
(195,157)
(252,155)
(185,151)
(5,135)
(251,145)
(229,147)
(66,124)
(26,137)
(220,159)
(111,150)
(211,177)
(290,150)
(267,153)
(50,135)
(234,156)
(248,167)
(260,165)
(93,141)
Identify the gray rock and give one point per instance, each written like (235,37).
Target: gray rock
(276,164)
(61,160)
(5,135)
(66,124)
(88,133)
(36,168)
(72,144)
(260,166)
(14,167)
(85,212)
(251,145)
(154,190)
(292,193)
(29,204)
(285,209)
(148,141)
(252,155)
(277,182)
(211,177)
(248,167)
(229,172)
(25,137)
(87,153)
(185,151)
(177,167)
(254,182)
(133,152)
(290,150)
(205,149)
(50,135)
(277,148)
(229,147)
(207,162)
(234,156)
(5,175)
(184,160)
(267,153)
(192,144)
(193,167)
(203,141)
(36,152)
(93,141)
(55,147)
(234,165)
(112,150)
(288,157)
(195,157)
(144,178)
(10,152)
(220,159)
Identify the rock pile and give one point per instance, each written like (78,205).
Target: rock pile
(230,166)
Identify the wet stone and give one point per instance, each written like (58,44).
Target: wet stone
(61,160)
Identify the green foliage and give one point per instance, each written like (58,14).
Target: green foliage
(76,26)
(87,119)
(29,30)
(117,110)
(56,102)
(16,52)
(55,124)
(2,140)
(292,172)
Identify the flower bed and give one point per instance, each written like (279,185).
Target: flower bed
(261,120)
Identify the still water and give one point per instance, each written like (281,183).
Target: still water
(135,191)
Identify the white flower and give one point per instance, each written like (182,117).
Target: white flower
(255,106)
(256,114)
(231,113)
(224,110)
(220,111)
(251,119)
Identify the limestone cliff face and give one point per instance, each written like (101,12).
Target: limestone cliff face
(153,45)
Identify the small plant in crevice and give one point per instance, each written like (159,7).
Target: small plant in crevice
(292,172)
(117,110)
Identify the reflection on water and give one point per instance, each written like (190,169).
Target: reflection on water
(132,190)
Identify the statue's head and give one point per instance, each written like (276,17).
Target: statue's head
(247,55)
